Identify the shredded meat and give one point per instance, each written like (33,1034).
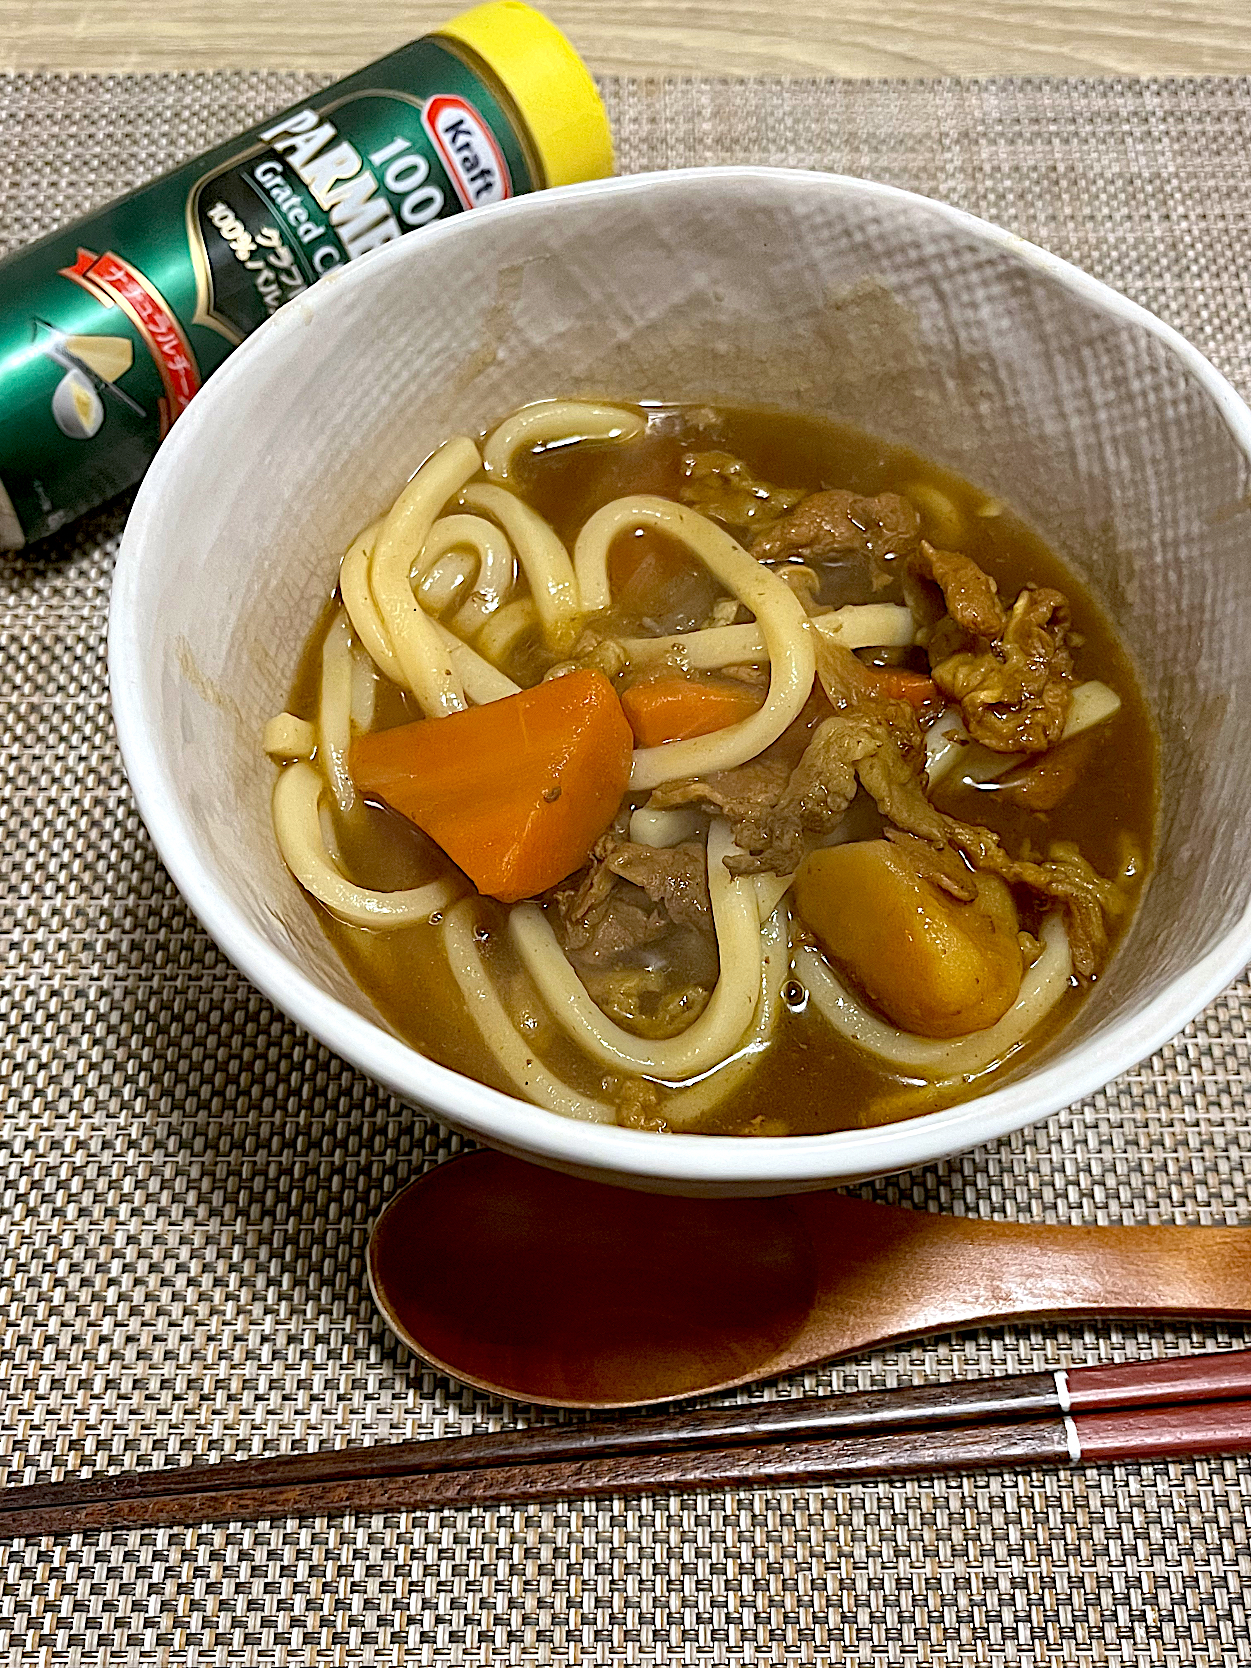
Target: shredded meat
(891,774)
(1015,695)
(581,901)
(817,794)
(1066,877)
(1010,668)
(675,876)
(1011,673)
(721,486)
(598,923)
(632,898)
(828,525)
(971,595)
(601,652)
(783,804)
(940,865)
(854,692)
(778,814)
(747,797)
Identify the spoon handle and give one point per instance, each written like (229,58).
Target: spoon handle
(882,1272)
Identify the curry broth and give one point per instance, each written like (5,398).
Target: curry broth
(810,1080)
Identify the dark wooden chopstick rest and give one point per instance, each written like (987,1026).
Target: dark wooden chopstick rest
(1180,1407)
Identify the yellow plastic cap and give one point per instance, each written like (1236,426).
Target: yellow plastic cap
(547,81)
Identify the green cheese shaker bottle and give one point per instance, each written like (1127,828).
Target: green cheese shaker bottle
(108,328)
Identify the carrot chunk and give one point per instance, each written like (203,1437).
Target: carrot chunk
(675,708)
(516,792)
(914,687)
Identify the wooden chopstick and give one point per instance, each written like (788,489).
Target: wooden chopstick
(1186,1404)
(1178,1432)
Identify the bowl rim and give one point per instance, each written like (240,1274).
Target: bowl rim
(606,1151)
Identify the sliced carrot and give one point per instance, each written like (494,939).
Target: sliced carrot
(914,687)
(674,708)
(516,792)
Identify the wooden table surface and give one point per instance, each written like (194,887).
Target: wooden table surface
(656,37)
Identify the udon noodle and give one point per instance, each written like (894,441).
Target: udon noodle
(733,841)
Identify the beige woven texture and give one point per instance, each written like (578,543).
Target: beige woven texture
(188,1180)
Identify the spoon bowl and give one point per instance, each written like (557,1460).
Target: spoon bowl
(543,1288)
(540,1287)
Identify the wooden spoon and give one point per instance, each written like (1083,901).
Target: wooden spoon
(538,1287)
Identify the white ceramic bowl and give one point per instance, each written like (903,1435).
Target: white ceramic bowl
(1116,439)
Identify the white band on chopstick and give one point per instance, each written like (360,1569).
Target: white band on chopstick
(1071,1437)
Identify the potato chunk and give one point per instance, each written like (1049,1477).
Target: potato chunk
(932,963)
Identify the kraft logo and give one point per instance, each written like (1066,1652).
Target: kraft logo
(474,162)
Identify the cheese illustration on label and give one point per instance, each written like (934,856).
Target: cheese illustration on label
(77,407)
(108,356)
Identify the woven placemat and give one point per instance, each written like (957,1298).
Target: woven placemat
(188,1179)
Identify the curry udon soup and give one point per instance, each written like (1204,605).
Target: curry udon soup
(713,770)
